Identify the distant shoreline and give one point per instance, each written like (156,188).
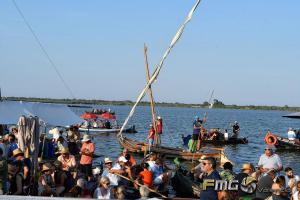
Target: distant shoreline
(145,103)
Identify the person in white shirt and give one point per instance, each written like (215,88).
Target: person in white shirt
(108,171)
(226,135)
(269,160)
(291,134)
(296,195)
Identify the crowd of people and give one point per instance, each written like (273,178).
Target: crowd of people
(265,181)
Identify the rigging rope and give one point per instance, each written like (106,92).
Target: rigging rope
(158,68)
(43,50)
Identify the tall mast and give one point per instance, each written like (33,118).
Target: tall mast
(150,93)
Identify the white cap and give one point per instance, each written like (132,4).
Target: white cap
(122,159)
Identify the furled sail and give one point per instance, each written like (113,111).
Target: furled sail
(159,66)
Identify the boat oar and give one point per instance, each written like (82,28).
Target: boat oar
(151,190)
(213,148)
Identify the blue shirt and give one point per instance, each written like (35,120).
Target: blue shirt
(210,193)
(11,148)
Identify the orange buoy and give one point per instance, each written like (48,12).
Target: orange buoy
(270,139)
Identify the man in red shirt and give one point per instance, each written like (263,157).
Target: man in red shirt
(87,151)
(145,176)
(159,127)
(151,136)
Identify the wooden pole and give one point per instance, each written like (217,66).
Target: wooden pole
(151,190)
(150,94)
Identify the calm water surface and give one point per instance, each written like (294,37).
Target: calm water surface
(177,121)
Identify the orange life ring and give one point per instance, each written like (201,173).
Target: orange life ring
(270,139)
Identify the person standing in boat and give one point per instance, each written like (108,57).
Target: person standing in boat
(291,134)
(159,127)
(151,136)
(87,152)
(226,135)
(235,130)
(197,124)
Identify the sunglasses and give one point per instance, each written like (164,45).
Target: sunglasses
(268,149)
(205,163)
(106,183)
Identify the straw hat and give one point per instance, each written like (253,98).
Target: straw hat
(64,150)
(46,167)
(246,166)
(107,160)
(202,158)
(17,152)
(86,138)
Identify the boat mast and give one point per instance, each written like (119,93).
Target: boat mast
(150,93)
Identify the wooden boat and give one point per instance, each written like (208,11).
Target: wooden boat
(281,142)
(172,152)
(222,141)
(130,129)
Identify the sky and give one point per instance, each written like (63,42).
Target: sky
(248,52)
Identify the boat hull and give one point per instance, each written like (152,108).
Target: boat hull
(282,143)
(105,130)
(173,152)
(230,141)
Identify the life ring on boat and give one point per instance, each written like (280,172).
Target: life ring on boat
(270,139)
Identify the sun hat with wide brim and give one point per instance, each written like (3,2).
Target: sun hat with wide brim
(86,138)
(107,160)
(247,166)
(64,150)
(202,158)
(46,167)
(17,152)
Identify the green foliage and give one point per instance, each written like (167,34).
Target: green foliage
(217,103)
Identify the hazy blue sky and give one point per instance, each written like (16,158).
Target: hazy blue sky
(248,51)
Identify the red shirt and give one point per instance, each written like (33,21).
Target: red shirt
(146,177)
(159,127)
(85,160)
(151,134)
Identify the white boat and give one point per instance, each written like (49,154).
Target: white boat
(131,129)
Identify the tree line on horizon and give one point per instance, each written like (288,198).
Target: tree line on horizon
(205,104)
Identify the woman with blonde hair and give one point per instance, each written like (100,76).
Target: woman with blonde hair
(103,190)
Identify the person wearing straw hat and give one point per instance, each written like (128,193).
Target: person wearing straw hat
(245,180)
(19,156)
(87,152)
(109,170)
(46,184)
(68,161)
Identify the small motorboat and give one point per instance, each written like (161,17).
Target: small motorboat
(130,129)
(281,142)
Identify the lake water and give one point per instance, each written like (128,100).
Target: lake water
(177,121)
